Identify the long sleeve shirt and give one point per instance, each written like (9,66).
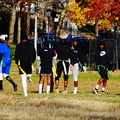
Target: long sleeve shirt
(101,57)
(76,56)
(25,52)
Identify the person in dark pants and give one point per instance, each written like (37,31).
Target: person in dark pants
(25,56)
(46,55)
(64,54)
(102,61)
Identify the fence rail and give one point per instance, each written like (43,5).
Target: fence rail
(112,48)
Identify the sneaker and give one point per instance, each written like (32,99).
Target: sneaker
(1,90)
(74,92)
(64,91)
(25,95)
(29,81)
(56,91)
(95,90)
(15,87)
(39,92)
(102,92)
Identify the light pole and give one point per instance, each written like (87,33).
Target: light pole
(35,41)
(115,27)
(48,14)
(115,30)
(56,21)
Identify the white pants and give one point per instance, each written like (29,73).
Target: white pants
(74,71)
(1,76)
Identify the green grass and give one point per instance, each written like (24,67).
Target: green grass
(83,106)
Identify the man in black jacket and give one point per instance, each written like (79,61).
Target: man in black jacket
(103,63)
(25,56)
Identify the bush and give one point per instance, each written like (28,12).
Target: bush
(12,51)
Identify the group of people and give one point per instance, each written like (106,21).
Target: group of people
(66,58)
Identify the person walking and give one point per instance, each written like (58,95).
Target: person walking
(76,63)
(102,61)
(2,40)
(25,56)
(46,55)
(64,54)
(6,63)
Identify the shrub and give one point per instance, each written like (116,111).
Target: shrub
(12,51)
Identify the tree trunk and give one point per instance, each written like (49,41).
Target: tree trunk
(28,20)
(12,24)
(96,29)
(19,30)
(60,24)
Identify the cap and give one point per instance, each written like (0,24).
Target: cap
(24,37)
(74,40)
(3,37)
(102,43)
(46,44)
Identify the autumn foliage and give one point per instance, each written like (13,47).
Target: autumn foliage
(103,12)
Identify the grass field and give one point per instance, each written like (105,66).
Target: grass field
(83,106)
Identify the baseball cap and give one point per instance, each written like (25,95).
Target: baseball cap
(3,37)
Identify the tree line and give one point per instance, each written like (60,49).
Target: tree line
(20,15)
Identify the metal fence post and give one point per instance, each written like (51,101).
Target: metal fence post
(89,54)
(116,53)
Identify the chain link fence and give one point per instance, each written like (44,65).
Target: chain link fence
(112,48)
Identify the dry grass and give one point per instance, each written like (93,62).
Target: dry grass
(83,106)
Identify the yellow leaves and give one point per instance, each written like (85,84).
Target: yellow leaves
(106,24)
(117,18)
(77,14)
(71,1)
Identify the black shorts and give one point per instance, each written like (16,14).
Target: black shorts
(103,71)
(46,71)
(25,68)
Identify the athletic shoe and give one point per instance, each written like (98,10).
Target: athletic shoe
(29,81)
(102,92)
(39,92)
(56,91)
(64,91)
(1,90)
(74,92)
(95,90)
(25,95)
(15,87)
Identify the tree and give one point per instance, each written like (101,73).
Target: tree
(94,12)
(99,14)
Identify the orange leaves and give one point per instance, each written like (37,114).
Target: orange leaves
(106,24)
(102,11)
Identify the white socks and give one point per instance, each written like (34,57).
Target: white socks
(24,84)
(48,89)
(75,90)
(103,89)
(97,86)
(40,89)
